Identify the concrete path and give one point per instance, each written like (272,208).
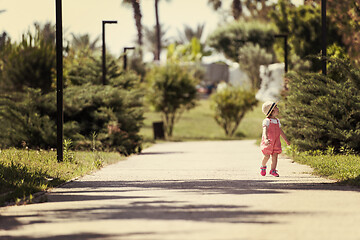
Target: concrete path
(191,190)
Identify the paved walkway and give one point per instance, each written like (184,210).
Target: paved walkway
(191,190)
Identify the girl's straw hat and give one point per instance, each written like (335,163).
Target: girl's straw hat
(268,107)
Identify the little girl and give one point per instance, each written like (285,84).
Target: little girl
(270,142)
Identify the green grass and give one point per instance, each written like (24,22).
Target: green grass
(343,168)
(24,172)
(199,124)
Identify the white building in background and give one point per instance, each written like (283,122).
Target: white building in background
(237,77)
(216,73)
(272,82)
(272,78)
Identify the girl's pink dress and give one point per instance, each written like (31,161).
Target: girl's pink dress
(273,136)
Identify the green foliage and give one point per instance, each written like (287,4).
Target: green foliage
(127,80)
(150,38)
(114,113)
(82,70)
(230,38)
(199,124)
(188,34)
(28,102)
(337,52)
(82,45)
(324,111)
(24,172)
(68,155)
(32,62)
(172,90)
(303,26)
(17,178)
(86,68)
(230,105)
(137,65)
(298,64)
(83,63)
(191,52)
(21,120)
(344,168)
(98,159)
(250,58)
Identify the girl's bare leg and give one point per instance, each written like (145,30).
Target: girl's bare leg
(265,160)
(274,160)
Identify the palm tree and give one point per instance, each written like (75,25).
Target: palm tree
(45,32)
(259,8)
(189,33)
(82,42)
(158,31)
(236,7)
(151,38)
(137,16)
(256,8)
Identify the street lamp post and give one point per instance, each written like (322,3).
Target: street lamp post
(59,82)
(104,50)
(125,57)
(285,49)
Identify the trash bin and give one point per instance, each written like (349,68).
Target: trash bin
(158,130)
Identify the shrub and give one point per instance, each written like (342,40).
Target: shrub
(324,111)
(32,62)
(115,114)
(230,105)
(229,38)
(172,90)
(22,121)
(86,69)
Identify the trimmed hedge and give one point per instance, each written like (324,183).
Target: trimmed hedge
(113,113)
(323,112)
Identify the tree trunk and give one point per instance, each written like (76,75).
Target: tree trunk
(158,40)
(137,17)
(236,9)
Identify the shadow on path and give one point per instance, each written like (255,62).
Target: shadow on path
(205,186)
(146,208)
(75,236)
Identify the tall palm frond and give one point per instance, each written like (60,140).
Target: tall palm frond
(158,31)
(137,17)
(256,8)
(236,7)
(216,4)
(188,34)
(151,39)
(82,42)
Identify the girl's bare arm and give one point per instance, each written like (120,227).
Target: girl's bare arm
(282,134)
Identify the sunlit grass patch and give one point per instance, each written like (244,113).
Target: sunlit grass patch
(344,168)
(24,172)
(199,124)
